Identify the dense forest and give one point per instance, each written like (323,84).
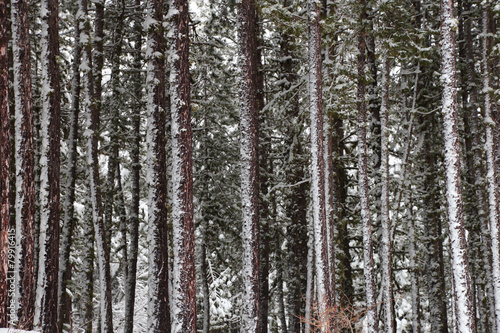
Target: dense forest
(250,166)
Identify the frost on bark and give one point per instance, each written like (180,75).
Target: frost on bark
(130,286)
(68,223)
(25,186)
(4,163)
(249,166)
(156,179)
(388,298)
(370,289)
(48,266)
(184,287)
(491,170)
(465,317)
(91,136)
(318,168)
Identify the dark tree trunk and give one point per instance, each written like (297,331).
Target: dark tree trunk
(48,267)
(184,293)
(4,163)
(158,307)
(249,166)
(25,175)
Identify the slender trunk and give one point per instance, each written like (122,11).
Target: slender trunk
(204,281)
(24,299)
(491,175)
(158,306)
(318,169)
(370,292)
(388,299)
(48,267)
(5,164)
(415,293)
(87,272)
(64,300)
(249,167)
(460,266)
(92,114)
(135,175)
(184,293)
(308,316)
(279,286)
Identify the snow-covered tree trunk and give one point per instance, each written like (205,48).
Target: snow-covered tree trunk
(318,168)
(5,162)
(91,136)
(388,300)
(24,298)
(459,265)
(249,166)
(308,316)
(184,280)
(48,267)
(156,178)
(86,273)
(130,287)
(64,300)
(369,275)
(491,174)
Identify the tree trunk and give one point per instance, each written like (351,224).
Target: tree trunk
(388,298)
(4,164)
(249,166)
(184,293)
(92,114)
(318,170)
(158,306)
(460,266)
(48,267)
(25,175)
(370,289)
(64,300)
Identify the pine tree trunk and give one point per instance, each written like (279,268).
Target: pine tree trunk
(4,164)
(158,305)
(92,114)
(460,267)
(249,166)
(64,300)
(318,169)
(48,267)
(388,297)
(370,289)
(184,293)
(130,287)
(491,174)
(87,272)
(25,175)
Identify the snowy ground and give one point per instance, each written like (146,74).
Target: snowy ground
(13,330)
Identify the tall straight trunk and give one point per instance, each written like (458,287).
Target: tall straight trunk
(370,289)
(24,299)
(48,267)
(87,272)
(459,266)
(491,174)
(92,135)
(158,305)
(318,169)
(135,175)
(308,316)
(64,300)
(388,299)
(5,163)
(184,293)
(414,276)
(249,166)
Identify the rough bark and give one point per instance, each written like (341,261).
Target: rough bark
(4,164)
(249,166)
(370,292)
(184,293)
(48,267)
(25,175)
(460,266)
(158,305)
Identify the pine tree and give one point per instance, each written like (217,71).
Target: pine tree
(25,175)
